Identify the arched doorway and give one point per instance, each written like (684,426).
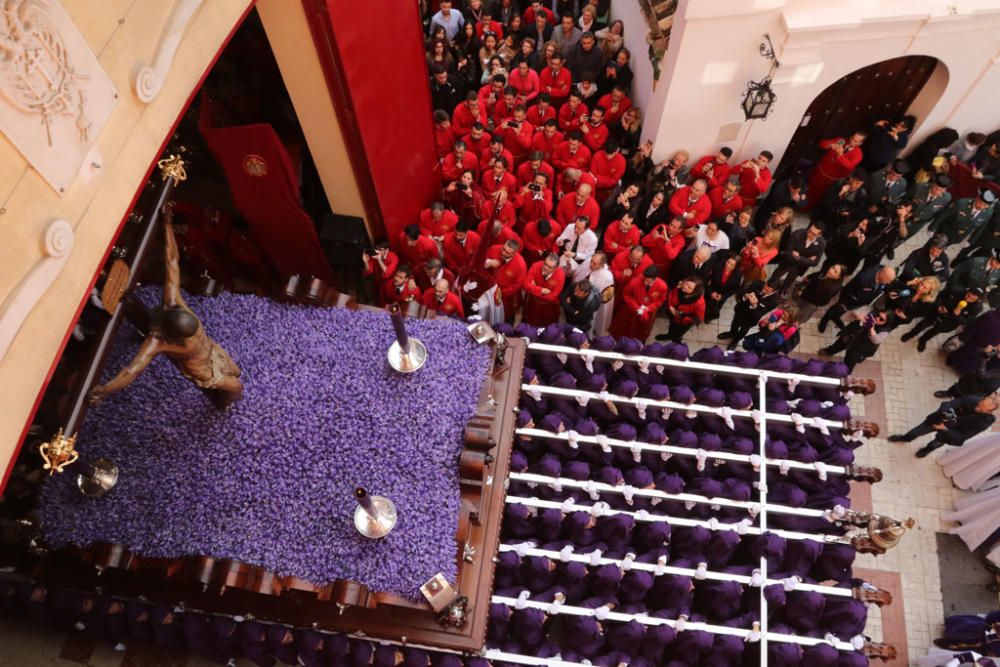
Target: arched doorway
(885,89)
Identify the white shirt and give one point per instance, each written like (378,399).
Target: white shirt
(720,242)
(585,249)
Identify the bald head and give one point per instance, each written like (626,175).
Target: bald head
(702,254)
(885,275)
(584,190)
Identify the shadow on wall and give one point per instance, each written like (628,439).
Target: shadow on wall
(659,16)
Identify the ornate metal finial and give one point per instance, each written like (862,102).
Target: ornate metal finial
(881,532)
(172,167)
(58,452)
(869,474)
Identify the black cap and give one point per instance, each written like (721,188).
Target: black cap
(987,195)
(901,167)
(939,241)
(651,272)
(943,180)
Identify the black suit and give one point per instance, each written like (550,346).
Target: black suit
(746,315)
(645,220)
(862,290)
(684,268)
(791,267)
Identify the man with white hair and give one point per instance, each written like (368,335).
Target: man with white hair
(953,423)
(603,281)
(577,244)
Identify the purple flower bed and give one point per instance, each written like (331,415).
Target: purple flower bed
(270,480)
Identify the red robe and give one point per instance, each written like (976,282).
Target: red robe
(569,119)
(542,310)
(477,146)
(720,172)
(612,116)
(690,313)
(488,155)
(462,119)
(507,214)
(537,118)
(493,27)
(535,245)
(568,209)
(751,186)
(563,159)
(720,207)
(401,296)
(378,276)
(430,227)
(556,85)
(607,171)
(664,251)
(546,144)
(507,233)
(526,174)
(518,142)
(831,167)
(415,255)
(451,168)
(616,241)
(468,205)
(595,136)
(450,307)
(529,208)
(681,204)
(509,276)
(527,87)
(484,99)
(622,263)
(444,139)
(491,183)
(628,321)
(457,255)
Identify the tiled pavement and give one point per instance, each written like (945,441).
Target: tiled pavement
(912,487)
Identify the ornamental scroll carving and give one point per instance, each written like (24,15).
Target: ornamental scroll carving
(149,80)
(54,95)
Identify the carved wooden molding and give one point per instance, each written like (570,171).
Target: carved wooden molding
(149,80)
(57,242)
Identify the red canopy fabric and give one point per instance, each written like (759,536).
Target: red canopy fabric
(266,192)
(963,184)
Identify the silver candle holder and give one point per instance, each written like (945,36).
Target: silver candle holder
(375,516)
(406,355)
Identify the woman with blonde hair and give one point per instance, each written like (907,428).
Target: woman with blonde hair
(611,39)
(628,131)
(757,253)
(910,300)
(546,52)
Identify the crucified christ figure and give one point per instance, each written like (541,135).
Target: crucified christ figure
(176,332)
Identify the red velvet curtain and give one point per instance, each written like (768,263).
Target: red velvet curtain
(380,48)
(266,192)
(964,185)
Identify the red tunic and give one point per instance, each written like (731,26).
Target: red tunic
(468,205)
(546,144)
(491,183)
(509,276)
(720,172)
(537,118)
(690,313)
(527,87)
(530,207)
(563,158)
(457,255)
(751,186)
(568,209)
(462,119)
(569,119)
(663,250)
(518,141)
(415,255)
(831,167)
(556,85)
(526,173)
(595,136)
(494,27)
(451,169)
(612,115)
(507,233)
(624,270)
(542,309)
(477,146)
(720,207)
(375,271)
(616,241)
(432,227)
(444,139)
(607,171)
(628,321)
(487,156)
(507,214)
(681,204)
(535,245)
(390,294)
(450,307)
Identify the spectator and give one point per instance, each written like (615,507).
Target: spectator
(611,39)
(843,202)
(776,333)
(665,243)
(740,230)
(685,308)
(930,198)
(725,200)
(652,211)
(621,236)
(627,133)
(603,281)
(861,291)
(790,193)
(381,265)
(617,72)
(452,21)
(753,301)
(953,423)
(886,141)
(714,168)
(584,57)
(670,174)
(963,151)
(963,217)
(566,35)
(444,89)
(724,279)
(887,187)
(576,245)
(401,288)
(842,156)
(927,260)
(642,297)
(440,300)
(460,247)
(581,304)
(757,253)
(595,131)
(440,56)
(862,338)
(754,176)
(953,311)
(819,289)
(540,239)
(804,250)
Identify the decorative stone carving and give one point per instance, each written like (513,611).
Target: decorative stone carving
(54,95)
(57,242)
(149,80)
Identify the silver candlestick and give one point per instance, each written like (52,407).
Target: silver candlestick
(375,516)
(406,355)
(99,479)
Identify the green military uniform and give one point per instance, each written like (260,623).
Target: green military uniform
(961,219)
(925,209)
(974,272)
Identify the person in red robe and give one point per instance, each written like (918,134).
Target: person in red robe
(535,164)
(467,114)
(691,205)
(642,297)
(542,111)
(437,221)
(517,134)
(491,94)
(440,300)
(495,151)
(542,287)
(486,24)
(685,308)
(459,247)
(534,201)
(754,176)
(434,270)
(401,288)
(571,155)
(457,161)
(477,140)
(498,178)
(714,168)
(608,167)
(571,112)
(570,207)
(626,266)
(509,270)
(540,239)
(547,139)
(380,265)
(556,80)
(841,158)
(465,197)
(444,137)
(615,104)
(501,232)
(505,107)
(499,207)
(525,81)
(621,236)
(595,130)
(415,248)
(538,7)
(725,199)
(665,242)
